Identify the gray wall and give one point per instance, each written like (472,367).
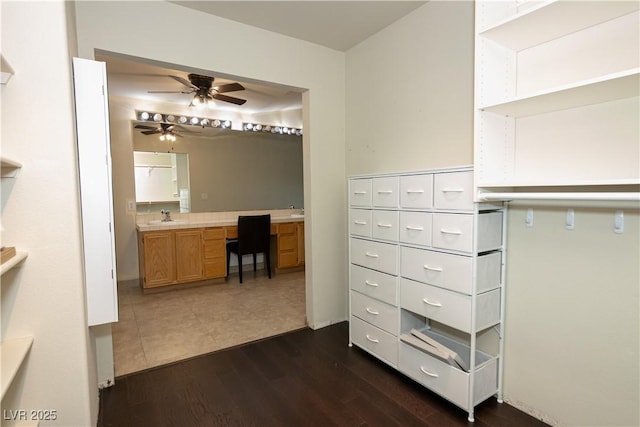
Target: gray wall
(238,170)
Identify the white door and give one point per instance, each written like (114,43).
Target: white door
(94,163)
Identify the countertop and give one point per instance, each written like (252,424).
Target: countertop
(153,222)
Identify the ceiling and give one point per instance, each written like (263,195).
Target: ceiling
(338,25)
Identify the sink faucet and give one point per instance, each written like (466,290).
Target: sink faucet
(167,215)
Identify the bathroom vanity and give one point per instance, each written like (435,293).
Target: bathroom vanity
(192,247)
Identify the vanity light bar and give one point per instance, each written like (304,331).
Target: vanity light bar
(282,130)
(183,120)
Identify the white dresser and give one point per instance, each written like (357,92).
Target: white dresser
(425,260)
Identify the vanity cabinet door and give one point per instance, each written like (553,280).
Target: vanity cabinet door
(215,250)
(158,267)
(188,255)
(287,245)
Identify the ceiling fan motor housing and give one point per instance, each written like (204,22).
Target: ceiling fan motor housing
(202,82)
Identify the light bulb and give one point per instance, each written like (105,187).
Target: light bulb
(157,117)
(215,123)
(194,120)
(144,115)
(162,137)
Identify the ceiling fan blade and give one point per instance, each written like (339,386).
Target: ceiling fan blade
(230,99)
(151,132)
(231,87)
(185,82)
(144,127)
(168,91)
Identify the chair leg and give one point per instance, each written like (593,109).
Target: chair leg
(267,258)
(240,266)
(228,261)
(255,256)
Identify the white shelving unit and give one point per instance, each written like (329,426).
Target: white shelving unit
(557,97)
(13,351)
(425,259)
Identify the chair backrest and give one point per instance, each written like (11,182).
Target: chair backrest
(254,233)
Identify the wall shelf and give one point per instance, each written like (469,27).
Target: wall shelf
(553,19)
(9,168)
(15,260)
(12,353)
(595,91)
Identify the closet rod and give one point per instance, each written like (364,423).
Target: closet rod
(628,196)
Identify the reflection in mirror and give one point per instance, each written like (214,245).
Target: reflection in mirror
(232,170)
(162,182)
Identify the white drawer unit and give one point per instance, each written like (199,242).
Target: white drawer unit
(384,225)
(424,257)
(453,191)
(456,231)
(415,228)
(360,222)
(360,192)
(453,272)
(450,308)
(384,193)
(451,383)
(378,313)
(381,286)
(373,339)
(375,255)
(416,191)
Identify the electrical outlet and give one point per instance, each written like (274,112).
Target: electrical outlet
(131,205)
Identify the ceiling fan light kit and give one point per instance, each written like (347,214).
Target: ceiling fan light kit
(204,92)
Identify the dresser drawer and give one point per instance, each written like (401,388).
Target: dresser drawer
(360,222)
(360,192)
(416,191)
(381,286)
(384,225)
(447,381)
(455,231)
(450,308)
(384,193)
(378,313)
(375,255)
(376,341)
(453,272)
(415,228)
(453,190)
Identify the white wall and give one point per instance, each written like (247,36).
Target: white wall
(41,214)
(410,93)
(409,106)
(572,316)
(249,52)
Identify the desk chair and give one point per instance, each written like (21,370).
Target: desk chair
(254,237)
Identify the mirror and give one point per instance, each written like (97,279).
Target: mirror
(227,170)
(161,182)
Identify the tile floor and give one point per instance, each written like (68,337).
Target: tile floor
(159,328)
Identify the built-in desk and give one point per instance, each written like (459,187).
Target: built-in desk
(193,247)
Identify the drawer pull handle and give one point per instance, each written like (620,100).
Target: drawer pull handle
(372,339)
(415,191)
(435,304)
(412,227)
(368,283)
(370,255)
(445,231)
(431,374)
(360,222)
(359,193)
(372,312)
(453,190)
(385,191)
(384,225)
(427,267)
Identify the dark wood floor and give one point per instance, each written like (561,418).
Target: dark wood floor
(303,378)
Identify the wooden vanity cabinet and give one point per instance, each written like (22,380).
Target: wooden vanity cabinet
(157,258)
(215,252)
(287,245)
(189,259)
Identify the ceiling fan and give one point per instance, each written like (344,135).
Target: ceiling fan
(204,91)
(166,131)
